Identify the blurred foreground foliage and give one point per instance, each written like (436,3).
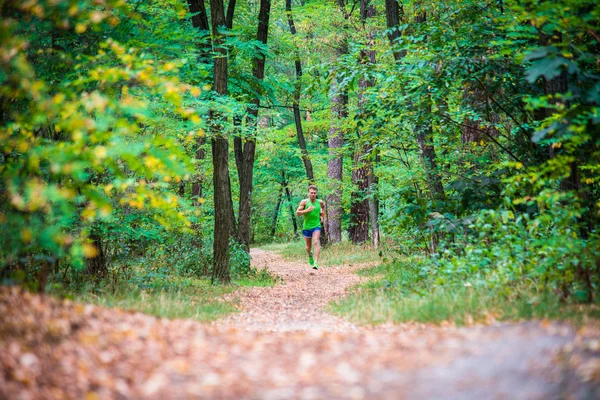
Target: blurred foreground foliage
(93,110)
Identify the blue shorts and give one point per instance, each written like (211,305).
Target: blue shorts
(307,233)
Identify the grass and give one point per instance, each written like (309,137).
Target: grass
(191,298)
(337,254)
(402,296)
(167,295)
(460,306)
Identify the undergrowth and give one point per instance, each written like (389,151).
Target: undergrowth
(161,291)
(405,292)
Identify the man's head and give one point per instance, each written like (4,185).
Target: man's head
(312,192)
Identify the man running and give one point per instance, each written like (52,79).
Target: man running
(312,210)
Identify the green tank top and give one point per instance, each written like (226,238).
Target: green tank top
(312,219)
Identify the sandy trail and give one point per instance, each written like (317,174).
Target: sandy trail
(298,303)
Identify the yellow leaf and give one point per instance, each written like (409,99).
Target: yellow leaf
(169,66)
(26,235)
(151,161)
(58,99)
(105,210)
(108,188)
(195,91)
(80,28)
(89,250)
(88,213)
(100,152)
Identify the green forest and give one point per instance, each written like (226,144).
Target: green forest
(299,199)
(145,143)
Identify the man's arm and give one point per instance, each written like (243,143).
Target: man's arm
(301,208)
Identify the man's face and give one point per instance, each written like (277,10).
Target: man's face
(312,193)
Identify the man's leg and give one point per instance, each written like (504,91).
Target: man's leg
(315,239)
(308,244)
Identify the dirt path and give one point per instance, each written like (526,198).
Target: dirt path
(282,346)
(298,304)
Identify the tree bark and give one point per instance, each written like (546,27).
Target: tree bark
(428,157)
(359,203)
(394,13)
(296,101)
(339,112)
(230,12)
(373,183)
(224,223)
(288,195)
(200,21)
(245,152)
(276,212)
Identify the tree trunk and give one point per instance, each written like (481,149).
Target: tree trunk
(424,133)
(339,112)
(96,266)
(373,183)
(394,13)
(224,220)
(43,274)
(245,154)
(200,21)
(276,212)
(296,102)
(359,203)
(288,195)
(428,157)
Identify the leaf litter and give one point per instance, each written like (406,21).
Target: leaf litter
(283,345)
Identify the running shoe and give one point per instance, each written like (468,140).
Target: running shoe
(311,260)
(315,266)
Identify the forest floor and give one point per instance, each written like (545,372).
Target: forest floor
(282,345)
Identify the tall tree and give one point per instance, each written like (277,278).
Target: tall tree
(362,168)
(394,11)
(338,95)
(296,102)
(339,112)
(424,131)
(224,224)
(245,149)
